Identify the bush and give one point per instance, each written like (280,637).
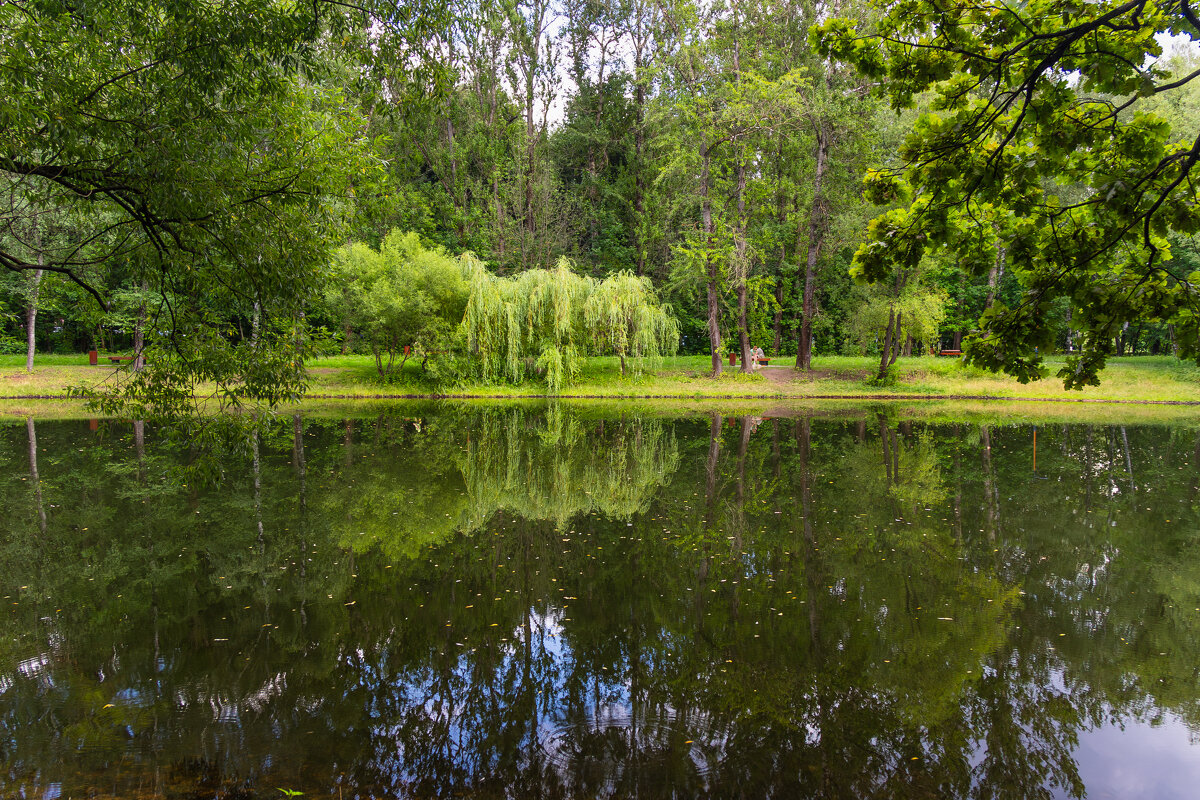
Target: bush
(889,379)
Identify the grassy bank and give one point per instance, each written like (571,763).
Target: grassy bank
(1140,378)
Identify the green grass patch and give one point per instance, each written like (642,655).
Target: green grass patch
(1141,378)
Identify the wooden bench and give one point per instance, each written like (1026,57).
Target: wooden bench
(950,352)
(94,358)
(734,359)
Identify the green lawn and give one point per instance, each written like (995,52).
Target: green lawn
(1132,378)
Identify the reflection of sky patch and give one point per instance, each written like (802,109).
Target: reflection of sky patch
(1138,761)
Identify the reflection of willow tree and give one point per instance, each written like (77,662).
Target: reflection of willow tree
(419,481)
(555,466)
(765,622)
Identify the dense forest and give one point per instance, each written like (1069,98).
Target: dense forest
(710,154)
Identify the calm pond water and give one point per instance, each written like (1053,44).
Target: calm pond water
(542,603)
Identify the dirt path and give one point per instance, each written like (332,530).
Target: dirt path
(780,376)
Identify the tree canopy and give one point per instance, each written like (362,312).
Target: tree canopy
(403,299)
(1037,138)
(546,321)
(207,149)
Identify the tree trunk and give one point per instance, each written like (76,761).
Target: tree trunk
(809,554)
(885,438)
(748,363)
(31,310)
(497,205)
(255,322)
(450,147)
(640,40)
(639,180)
(31,431)
(1128,459)
(742,268)
(710,464)
(714,298)
(781,219)
(994,277)
(139,333)
(778,308)
(896,338)
(530,146)
(990,496)
(256,462)
(139,443)
(886,350)
(816,236)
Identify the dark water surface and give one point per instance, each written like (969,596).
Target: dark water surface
(517,603)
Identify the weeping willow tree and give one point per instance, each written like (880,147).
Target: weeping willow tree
(532,323)
(623,316)
(545,321)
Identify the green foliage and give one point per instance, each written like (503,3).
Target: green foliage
(205,150)
(1070,154)
(623,316)
(921,312)
(403,299)
(546,321)
(533,321)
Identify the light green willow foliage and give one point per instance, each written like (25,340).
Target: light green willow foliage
(623,315)
(546,321)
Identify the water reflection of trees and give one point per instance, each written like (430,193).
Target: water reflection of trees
(785,608)
(419,481)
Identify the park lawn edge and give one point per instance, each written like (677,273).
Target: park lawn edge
(1144,380)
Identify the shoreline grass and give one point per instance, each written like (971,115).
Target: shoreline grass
(1134,379)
